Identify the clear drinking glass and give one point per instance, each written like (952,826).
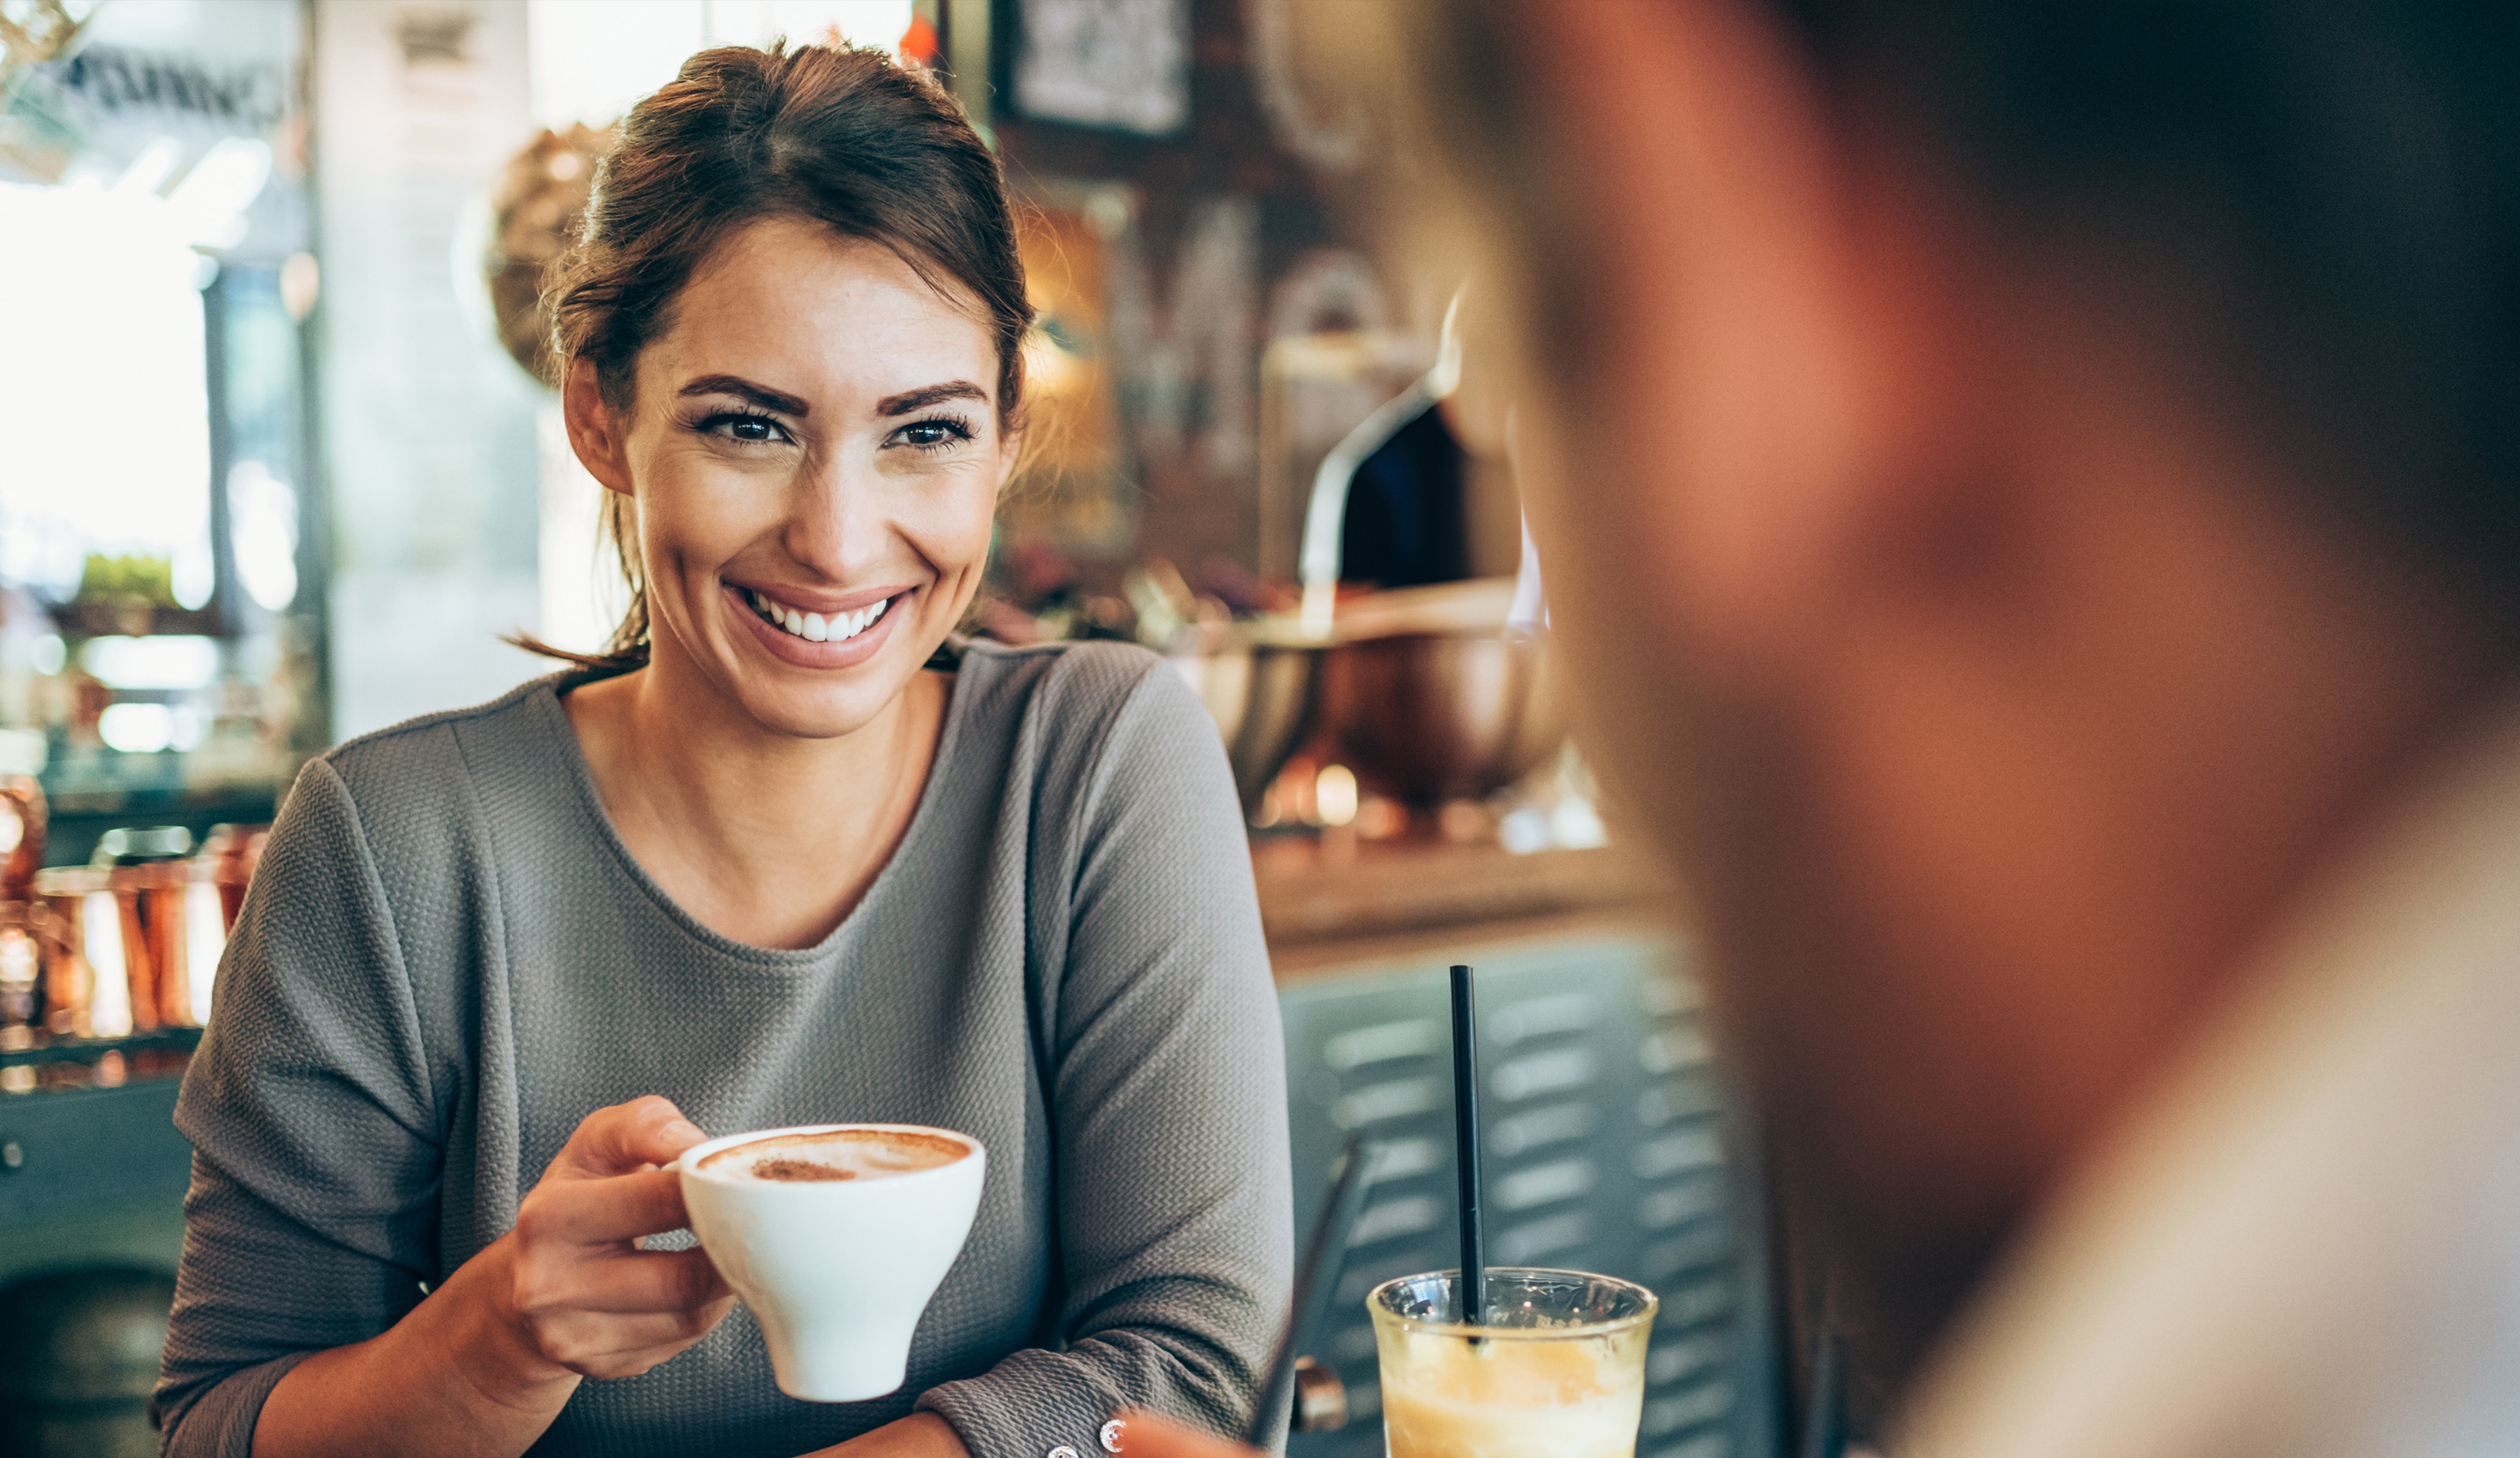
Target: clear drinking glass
(1556,1371)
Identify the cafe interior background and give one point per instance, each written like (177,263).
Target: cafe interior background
(276,469)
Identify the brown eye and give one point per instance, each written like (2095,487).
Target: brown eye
(752,429)
(932,435)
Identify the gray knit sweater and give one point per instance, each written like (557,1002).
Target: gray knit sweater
(448,959)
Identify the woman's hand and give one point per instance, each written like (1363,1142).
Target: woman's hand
(583,1297)
(480,1368)
(1144,1436)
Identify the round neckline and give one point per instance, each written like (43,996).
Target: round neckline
(591,803)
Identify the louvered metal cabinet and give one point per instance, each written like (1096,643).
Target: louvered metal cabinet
(1608,1148)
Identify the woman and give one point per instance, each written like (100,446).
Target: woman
(780,858)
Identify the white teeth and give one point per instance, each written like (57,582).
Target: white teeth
(813,628)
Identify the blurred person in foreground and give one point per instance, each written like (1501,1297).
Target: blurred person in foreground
(2032,496)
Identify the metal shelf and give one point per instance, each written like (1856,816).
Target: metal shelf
(89,1050)
(81,817)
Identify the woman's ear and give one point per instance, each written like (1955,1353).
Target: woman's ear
(595,432)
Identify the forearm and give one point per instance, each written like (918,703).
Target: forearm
(453,1379)
(1036,1399)
(921,1434)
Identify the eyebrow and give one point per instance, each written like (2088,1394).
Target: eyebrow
(932,394)
(759,395)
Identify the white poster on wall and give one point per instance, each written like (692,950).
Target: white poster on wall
(1118,63)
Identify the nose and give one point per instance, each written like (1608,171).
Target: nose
(836,526)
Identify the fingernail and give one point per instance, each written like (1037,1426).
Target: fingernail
(683,1131)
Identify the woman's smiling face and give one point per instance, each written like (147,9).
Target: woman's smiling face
(815,454)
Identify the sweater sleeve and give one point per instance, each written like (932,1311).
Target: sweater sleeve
(311,1220)
(1167,1084)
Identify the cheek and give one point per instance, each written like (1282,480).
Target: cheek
(1602,521)
(1633,665)
(950,521)
(694,512)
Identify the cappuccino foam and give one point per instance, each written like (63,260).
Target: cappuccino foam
(837,1155)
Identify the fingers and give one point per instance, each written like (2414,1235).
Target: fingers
(1142,1436)
(625,1137)
(616,1314)
(603,1211)
(591,1299)
(610,1346)
(616,1282)
(649,1282)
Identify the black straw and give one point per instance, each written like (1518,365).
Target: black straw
(1315,1278)
(1473,1296)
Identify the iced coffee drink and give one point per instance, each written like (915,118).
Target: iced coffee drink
(1556,1370)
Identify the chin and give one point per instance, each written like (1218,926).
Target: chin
(787,702)
(814,715)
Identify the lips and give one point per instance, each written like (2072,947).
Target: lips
(854,627)
(816,628)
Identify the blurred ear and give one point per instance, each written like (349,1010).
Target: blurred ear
(595,432)
(1768,346)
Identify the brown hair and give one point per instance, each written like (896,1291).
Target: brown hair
(834,135)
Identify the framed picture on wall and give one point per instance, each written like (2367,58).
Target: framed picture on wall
(1117,64)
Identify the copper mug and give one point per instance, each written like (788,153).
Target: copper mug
(151,874)
(22,818)
(118,947)
(234,851)
(150,898)
(23,918)
(75,900)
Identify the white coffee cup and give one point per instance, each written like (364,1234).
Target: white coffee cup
(836,1270)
